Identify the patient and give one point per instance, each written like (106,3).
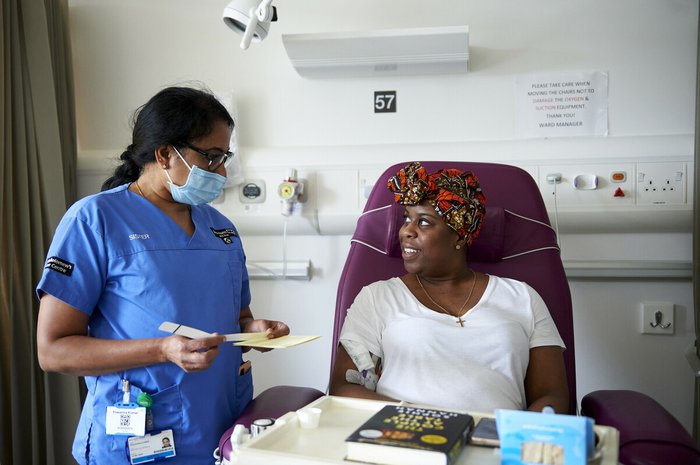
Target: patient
(444,334)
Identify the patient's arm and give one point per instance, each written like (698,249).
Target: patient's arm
(545,381)
(340,387)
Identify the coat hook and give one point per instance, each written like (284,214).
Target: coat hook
(658,318)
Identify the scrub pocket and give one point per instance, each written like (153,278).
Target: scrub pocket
(244,391)
(166,411)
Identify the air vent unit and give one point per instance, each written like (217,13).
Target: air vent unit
(394,52)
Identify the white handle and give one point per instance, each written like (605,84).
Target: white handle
(249,30)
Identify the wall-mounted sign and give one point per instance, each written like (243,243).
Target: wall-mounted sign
(385,101)
(562,104)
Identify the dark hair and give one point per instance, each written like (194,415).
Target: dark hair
(173,115)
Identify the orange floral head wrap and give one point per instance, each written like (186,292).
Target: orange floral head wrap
(455,195)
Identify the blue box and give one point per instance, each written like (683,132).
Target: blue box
(532,438)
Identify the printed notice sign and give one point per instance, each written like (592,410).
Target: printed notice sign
(562,104)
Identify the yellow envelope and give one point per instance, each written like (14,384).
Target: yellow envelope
(245,339)
(281,342)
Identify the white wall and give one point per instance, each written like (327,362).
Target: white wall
(125,51)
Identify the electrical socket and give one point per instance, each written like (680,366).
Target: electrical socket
(661,183)
(657,318)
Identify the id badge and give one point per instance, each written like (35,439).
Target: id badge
(152,447)
(126,420)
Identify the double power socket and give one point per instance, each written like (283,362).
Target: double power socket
(661,183)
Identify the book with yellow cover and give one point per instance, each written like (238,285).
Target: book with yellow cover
(410,435)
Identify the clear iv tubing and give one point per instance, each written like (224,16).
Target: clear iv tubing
(284,248)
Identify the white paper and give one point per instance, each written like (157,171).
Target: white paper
(562,104)
(194,333)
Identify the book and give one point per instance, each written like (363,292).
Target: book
(410,435)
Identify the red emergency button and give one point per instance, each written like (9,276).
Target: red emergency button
(618,176)
(619,192)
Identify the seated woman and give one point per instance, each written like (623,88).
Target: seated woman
(444,334)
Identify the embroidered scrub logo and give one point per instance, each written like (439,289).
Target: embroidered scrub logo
(60,265)
(133,237)
(225,234)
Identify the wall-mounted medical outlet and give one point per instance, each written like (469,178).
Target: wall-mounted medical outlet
(585,182)
(657,318)
(587,187)
(252,191)
(304,194)
(661,183)
(553,178)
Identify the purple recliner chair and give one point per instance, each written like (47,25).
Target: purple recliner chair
(516,241)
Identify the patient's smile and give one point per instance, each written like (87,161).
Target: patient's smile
(409,253)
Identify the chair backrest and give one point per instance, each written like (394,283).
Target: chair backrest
(516,241)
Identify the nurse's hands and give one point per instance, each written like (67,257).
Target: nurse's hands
(271,327)
(192,354)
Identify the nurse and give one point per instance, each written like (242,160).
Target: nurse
(145,250)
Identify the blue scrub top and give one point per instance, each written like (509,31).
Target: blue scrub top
(119,259)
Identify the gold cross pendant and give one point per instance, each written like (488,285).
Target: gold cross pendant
(460,321)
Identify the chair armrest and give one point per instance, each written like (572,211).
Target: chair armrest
(276,401)
(271,403)
(649,434)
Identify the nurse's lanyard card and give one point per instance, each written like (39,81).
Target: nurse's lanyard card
(152,447)
(126,418)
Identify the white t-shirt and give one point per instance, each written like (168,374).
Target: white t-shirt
(428,358)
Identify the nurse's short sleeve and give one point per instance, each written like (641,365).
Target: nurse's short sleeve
(76,265)
(362,322)
(545,331)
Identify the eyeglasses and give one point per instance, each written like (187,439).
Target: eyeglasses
(215,159)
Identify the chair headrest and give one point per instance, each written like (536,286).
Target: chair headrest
(379,229)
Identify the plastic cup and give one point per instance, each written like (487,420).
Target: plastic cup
(309,417)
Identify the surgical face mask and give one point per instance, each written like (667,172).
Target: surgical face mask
(201,186)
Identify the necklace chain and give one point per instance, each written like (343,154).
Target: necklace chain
(139,189)
(459,312)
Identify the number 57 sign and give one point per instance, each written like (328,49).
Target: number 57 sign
(385,101)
